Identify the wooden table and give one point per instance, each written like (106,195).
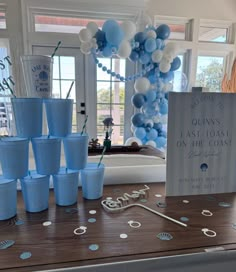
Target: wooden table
(56,246)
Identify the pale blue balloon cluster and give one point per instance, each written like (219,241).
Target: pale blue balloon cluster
(152,84)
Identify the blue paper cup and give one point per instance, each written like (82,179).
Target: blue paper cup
(66,184)
(14,157)
(28,114)
(8,198)
(92,179)
(35,190)
(47,154)
(59,116)
(76,150)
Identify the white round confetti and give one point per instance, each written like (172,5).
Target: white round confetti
(92,212)
(123,236)
(47,223)
(109,198)
(158,195)
(185,201)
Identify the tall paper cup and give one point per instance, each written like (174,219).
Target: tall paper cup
(8,198)
(59,116)
(14,157)
(37,72)
(47,152)
(92,179)
(66,187)
(76,150)
(28,116)
(35,190)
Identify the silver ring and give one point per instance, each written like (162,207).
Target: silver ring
(209,233)
(207,213)
(134,224)
(81,230)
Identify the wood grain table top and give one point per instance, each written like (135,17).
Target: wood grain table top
(56,245)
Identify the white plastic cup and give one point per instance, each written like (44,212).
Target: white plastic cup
(38,73)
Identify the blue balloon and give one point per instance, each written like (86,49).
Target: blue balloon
(134,56)
(107,51)
(114,35)
(109,24)
(152,134)
(162,134)
(144,58)
(158,126)
(150,45)
(138,100)
(163,105)
(159,44)
(176,63)
(163,32)
(138,119)
(140,37)
(167,76)
(160,142)
(140,133)
(100,36)
(151,96)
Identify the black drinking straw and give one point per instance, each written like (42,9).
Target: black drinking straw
(55,50)
(68,94)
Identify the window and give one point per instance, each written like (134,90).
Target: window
(2,20)
(111,99)
(210,72)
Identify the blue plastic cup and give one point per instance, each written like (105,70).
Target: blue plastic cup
(66,184)
(47,154)
(35,190)
(76,150)
(8,198)
(28,114)
(92,179)
(59,116)
(14,157)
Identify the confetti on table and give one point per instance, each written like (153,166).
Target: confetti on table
(123,235)
(71,210)
(92,220)
(47,223)
(184,219)
(6,243)
(224,204)
(92,211)
(19,222)
(143,200)
(25,255)
(164,236)
(158,195)
(186,201)
(94,247)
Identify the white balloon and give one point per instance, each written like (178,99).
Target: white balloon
(124,49)
(151,143)
(85,47)
(131,140)
(141,85)
(157,56)
(129,29)
(164,66)
(93,28)
(171,48)
(151,34)
(85,35)
(156,118)
(164,118)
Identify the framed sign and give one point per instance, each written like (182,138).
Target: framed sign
(201,146)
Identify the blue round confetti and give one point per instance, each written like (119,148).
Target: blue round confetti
(92,220)
(94,247)
(184,219)
(19,222)
(25,255)
(143,200)
(224,204)
(164,236)
(161,204)
(6,243)
(71,210)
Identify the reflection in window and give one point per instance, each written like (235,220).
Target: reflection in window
(3,20)
(110,99)
(213,34)
(63,76)
(210,72)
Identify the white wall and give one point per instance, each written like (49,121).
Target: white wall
(205,9)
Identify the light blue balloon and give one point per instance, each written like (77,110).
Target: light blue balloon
(158,126)
(159,44)
(107,51)
(150,45)
(163,105)
(134,56)
(109,24)
(152,134)
(140,133)
(114,35)
(144,58)
(151,96)
(160,142)
(138,100)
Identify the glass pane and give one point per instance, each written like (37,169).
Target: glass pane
(74,122)
(101,75)
(117,137)
(65,86)
(118,114)
(56,67)
(213,34)
(3,20)
(56,89)
(210,72)
(103,92)
(118,66)
(67,66)
(118,92)
(62,24)
(102,114)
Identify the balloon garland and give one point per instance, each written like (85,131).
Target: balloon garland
(151,84)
